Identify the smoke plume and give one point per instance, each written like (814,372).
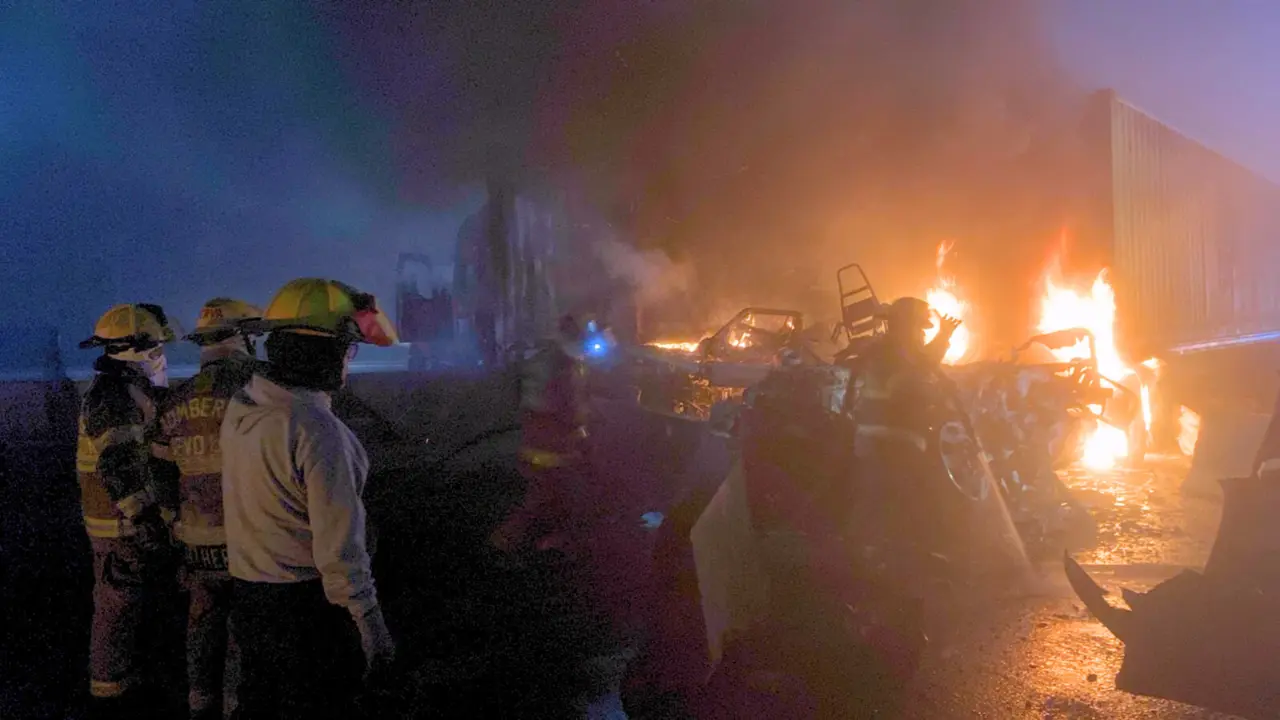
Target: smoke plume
(650,273)
(753,139)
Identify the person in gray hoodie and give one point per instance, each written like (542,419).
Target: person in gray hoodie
(303,599)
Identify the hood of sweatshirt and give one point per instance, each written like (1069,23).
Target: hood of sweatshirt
(261,398)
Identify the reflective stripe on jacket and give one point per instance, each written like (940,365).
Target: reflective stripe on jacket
(113,451)
(190,435)
(891,389)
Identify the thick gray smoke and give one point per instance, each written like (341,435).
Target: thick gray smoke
(174,154)
(762,142)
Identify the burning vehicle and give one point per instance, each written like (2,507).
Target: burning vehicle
(688,379)
(810,564)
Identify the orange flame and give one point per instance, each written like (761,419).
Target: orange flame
(1063,308)
(676,345)
(944,301)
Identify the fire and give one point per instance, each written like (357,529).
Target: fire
(676,345)
(1104,447)
(1063,308)
(1188,431)
(944,301)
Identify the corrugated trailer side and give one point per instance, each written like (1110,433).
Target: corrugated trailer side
(1195,238)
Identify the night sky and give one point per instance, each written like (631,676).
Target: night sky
(170,152)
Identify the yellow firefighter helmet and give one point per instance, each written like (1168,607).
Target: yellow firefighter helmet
(131,326)
(221,318)
(316,306)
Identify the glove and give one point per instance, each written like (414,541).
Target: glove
(375,640)
(150,529)
(947,325)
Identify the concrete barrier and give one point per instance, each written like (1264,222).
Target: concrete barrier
(1227,447)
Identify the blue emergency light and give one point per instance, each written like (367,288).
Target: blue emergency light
(599,342)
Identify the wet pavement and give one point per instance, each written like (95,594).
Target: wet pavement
(1037,653)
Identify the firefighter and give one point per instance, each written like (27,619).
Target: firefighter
(896,366)
(125,496)
(304,604)
(190,425)
(553,434)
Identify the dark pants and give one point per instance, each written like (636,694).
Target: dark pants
(299,655)
(130,587)
(207,640)
(546,510)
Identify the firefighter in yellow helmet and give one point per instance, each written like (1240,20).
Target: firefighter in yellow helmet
(124,491)
(190,435)
(895,367)
(553,449)
(304,604)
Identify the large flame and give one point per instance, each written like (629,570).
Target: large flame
(944,301)
(1063,308)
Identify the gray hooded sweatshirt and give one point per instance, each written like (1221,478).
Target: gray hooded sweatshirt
(292,475)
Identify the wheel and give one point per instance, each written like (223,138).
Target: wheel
(963,462)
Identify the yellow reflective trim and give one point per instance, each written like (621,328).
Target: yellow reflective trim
(108,689)
(86,453)
(103,527)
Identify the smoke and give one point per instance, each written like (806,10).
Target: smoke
(175,154)
(652,276)
(761,142)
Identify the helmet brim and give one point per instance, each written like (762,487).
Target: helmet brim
(371,327)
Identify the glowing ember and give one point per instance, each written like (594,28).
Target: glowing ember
(676,345)
(944,301)
(1188,431)
(1063,308)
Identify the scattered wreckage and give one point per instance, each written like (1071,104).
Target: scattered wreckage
(1209,638)
(815,558)
(1032,413)
(690,382)
(1017,420)
(811,569)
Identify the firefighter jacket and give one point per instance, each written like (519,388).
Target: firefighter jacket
(119,475)
(894,388)
(190,435)
(552,406)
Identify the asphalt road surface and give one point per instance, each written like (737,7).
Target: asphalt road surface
(1038,653)
(1002,653)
